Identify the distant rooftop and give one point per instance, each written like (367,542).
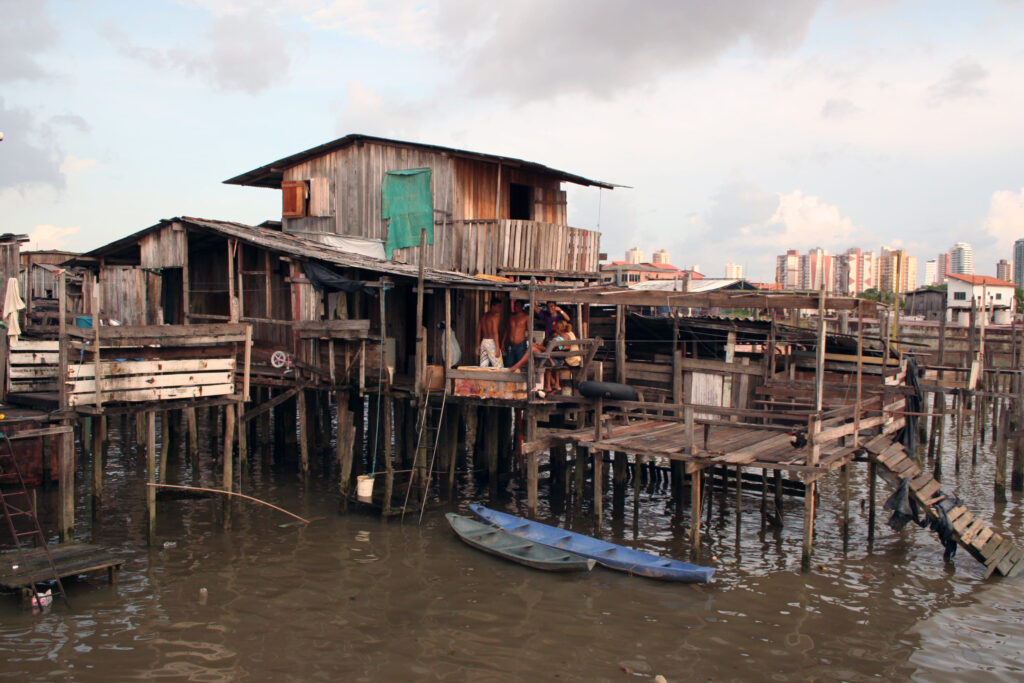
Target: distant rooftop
(980,280)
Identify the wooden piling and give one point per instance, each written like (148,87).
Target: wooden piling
(304,434)
(1001,445)
(344,443)
(165,445)
(66,489)
(150,422)
(696,496)
(99,444)
(229,443)
(532,474)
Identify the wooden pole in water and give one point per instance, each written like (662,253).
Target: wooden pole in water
(1001,444)
(99,442)
(165,444)
(67,484)
(598,457)
(151,475)
(303,435)
(696,497)
(228,451)
(344,442)
(940,441)
(1017,478)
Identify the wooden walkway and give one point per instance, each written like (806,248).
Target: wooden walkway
(743,444)
(70,559)
(989,547)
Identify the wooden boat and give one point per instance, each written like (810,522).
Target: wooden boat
(495,541)
(607,554)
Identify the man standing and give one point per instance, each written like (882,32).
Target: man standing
(517,324)
(551,315)
(488,336)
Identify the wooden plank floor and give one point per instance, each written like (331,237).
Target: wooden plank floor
(70,559)
(982,542)
(743,444)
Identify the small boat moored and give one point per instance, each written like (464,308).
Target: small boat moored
(607,554)
(496,541)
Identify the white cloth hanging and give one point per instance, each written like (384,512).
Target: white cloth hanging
(13,304)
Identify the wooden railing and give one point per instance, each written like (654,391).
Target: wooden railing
(487,246)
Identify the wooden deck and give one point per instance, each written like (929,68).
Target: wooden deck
(70,559)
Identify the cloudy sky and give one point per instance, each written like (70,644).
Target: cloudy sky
(743,128)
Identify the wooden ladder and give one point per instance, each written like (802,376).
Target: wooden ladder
(17,504)
(428,432)
(995,551)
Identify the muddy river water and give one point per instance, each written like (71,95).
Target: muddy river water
(356,598)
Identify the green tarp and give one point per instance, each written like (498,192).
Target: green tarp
(407,206)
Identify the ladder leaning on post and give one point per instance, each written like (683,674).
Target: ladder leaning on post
(18,504)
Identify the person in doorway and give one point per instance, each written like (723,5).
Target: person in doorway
(518,323)
(488,337)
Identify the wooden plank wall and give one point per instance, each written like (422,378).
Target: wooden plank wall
(34,366)
(123,295)
(164,248)
(463,190)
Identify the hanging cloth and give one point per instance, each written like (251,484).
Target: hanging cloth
(13,304)
(407,205)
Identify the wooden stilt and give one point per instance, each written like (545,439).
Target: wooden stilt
(229,445)
(192,428)
(67,484)
(242,428)
(491,448)
(1017,477)
(150,423)
(598,485)
(99,438)
(304,434)
(385,450)
(451,422)
(695,507)
(344,443)
(165,445)
(872,484)
(579,473)
(532,475)
(809,512)
(1001,446)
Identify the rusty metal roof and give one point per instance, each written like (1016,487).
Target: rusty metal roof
(271,175)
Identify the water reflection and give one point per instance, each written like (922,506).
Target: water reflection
(360,598)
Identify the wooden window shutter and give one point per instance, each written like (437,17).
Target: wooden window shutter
(293,198)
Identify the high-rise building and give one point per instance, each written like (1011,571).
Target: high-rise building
(733,271)
(660,257)
(855,272)
(634,256)
(897,271)
(817,270)
(787,269)
(931,271)
(910,274)
(1003,270)
(961,259)
(942,268)
(1018,262)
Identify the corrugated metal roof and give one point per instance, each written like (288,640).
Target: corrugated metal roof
(292,245)
(271,175)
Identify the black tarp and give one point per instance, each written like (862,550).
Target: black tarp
(326,280)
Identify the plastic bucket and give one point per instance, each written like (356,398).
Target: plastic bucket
(364,487)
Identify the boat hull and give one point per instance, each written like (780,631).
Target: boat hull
(606,554)
(498,542)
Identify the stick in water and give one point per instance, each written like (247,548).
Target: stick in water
(231,493)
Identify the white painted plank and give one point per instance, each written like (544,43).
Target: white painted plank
(151,381)
(168,394)
(150,367)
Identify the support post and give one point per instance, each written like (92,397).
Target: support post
(696,499)
(67,483)
(532,474)
(151,475)
(229,441)
(99,442)
(303,436)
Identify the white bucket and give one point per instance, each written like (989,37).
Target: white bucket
(364,487)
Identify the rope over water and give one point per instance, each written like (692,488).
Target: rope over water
(231,493)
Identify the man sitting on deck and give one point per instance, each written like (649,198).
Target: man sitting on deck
(551,314)
(488,336)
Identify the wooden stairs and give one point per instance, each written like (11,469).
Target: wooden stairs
(989,547)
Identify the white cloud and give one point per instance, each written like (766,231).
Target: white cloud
(45,236)
(73,164)
(1005,220)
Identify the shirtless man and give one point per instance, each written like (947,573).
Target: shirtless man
(488,337)
(517,324)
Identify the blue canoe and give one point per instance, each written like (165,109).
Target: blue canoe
(607,554)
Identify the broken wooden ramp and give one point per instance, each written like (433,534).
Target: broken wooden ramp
(971,533)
